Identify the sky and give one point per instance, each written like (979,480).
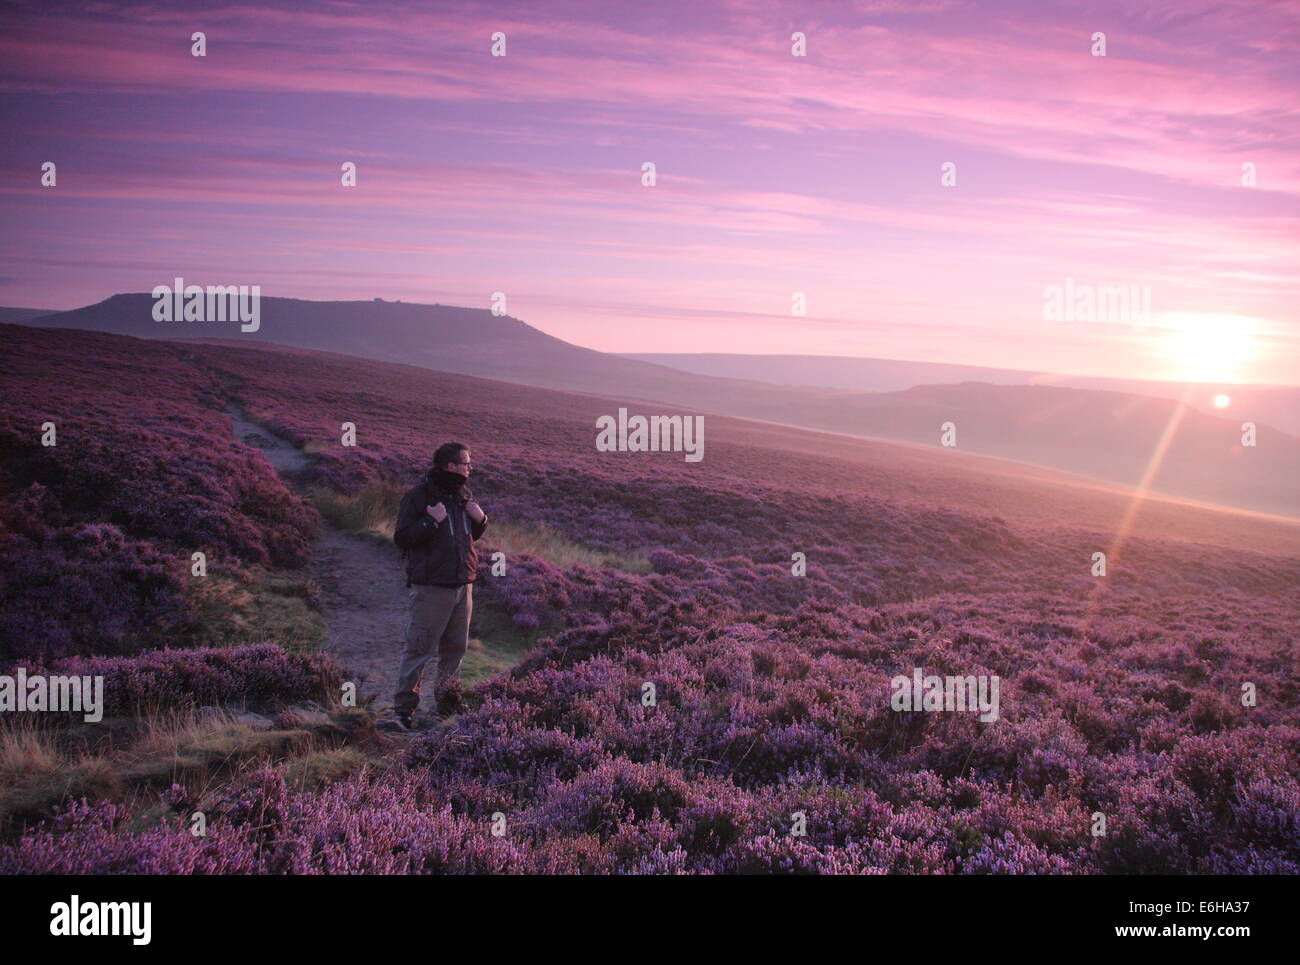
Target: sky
(775,176)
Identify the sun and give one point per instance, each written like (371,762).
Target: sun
(1206,348)
(1222,401)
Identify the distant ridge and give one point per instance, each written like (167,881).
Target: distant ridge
(1108,435)
(20,316)
(448,338)
(1278,405)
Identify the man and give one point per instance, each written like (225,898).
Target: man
(437,525)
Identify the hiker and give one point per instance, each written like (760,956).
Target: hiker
(437,525)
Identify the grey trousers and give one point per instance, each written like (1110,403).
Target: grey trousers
(439,622)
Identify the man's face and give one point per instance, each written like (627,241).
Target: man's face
(460,463)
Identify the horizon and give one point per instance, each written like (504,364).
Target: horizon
(1119,167)
(1040,373)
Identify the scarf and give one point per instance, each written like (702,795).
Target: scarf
(447,481)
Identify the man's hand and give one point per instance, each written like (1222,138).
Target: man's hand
(475,511)
(438,512)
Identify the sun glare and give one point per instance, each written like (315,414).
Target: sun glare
(1207,348)
(1222,401)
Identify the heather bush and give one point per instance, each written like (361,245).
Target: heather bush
(87,589)
(256,676)
(772,691)
(96,531)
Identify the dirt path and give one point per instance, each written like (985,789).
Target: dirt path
(361,579)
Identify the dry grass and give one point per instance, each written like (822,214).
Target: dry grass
(551,545)
(252,604)
(373,511)
(35,773)
(40,767)
(320,768)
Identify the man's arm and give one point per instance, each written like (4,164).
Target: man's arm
(476,526)
(414,524)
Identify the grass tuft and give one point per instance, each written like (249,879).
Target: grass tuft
(250,604)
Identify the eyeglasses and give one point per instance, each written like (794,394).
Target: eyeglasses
(456,462)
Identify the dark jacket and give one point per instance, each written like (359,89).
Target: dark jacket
(437,554)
